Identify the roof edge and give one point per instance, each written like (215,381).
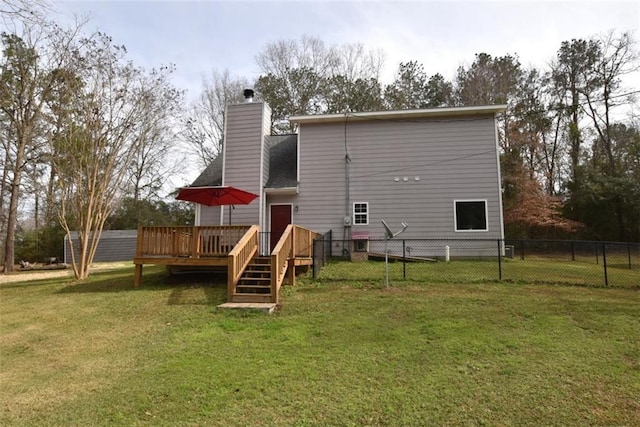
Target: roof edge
(401,114)
(282,190)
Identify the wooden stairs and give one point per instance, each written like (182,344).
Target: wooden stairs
(255,283)
(249,278)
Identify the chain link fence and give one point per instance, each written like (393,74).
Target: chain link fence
(584,263)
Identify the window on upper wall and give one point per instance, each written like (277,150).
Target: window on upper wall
(471,215)
(361,213)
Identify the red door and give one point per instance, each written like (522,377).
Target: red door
(280,218)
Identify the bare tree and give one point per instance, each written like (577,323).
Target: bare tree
(355,62)
(157,157)
(281,56)
(26,11)
(305,76)
(204,123)
(26,79)
(569,77)
(604,91)
(117,105)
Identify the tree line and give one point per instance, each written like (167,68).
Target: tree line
(82,130)
(569,139)
(88,138)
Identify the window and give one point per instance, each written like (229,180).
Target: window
(361,213)
(471,215)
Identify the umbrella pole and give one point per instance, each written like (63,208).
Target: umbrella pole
(231,207)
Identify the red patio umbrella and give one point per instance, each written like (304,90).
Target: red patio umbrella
(216,196)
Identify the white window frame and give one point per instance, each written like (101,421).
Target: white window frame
(486,216)
(357,214)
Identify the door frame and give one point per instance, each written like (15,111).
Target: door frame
(270,218)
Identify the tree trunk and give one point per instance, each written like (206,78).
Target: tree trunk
(12,220)
(3,215)
(574,133)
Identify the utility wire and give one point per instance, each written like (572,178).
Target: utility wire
(468,119)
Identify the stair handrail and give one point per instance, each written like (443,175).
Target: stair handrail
(240,256)
(284,249)
(304,241)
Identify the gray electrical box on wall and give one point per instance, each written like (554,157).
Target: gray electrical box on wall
(347,220)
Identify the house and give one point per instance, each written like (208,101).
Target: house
(437,170)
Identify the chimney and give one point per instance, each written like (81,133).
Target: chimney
(248,95)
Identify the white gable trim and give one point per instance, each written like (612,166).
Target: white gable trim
(404,114)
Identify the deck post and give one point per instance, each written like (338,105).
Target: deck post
(292,256)
(140,241)
(137,276)
(292,272)
(195,244)
(230,276)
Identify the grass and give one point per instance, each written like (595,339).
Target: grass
(531,270)
(337,353)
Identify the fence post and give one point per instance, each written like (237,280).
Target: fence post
(522,250)
(499,261)
(604,262)
(597,255)
(573,251)
(313,256)
(404,260)
(629,254)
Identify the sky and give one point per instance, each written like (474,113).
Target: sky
(206,35)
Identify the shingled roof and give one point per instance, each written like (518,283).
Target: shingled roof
(283,164)
(211,176)
(283,161)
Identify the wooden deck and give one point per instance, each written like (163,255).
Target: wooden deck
(233,247)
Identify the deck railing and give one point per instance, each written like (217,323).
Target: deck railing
(284,249)
(295,242)
(240,257)
(304,241)
(239,244)
(188,241)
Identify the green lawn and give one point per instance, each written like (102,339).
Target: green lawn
(337,353)
(532,270)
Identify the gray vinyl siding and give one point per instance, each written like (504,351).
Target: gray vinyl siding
(246,126)
(210,215)
(114,245)
(454,159)
(321,199)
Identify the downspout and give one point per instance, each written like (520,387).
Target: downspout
(346,233)
(500,207)
(263,202)
(224,156)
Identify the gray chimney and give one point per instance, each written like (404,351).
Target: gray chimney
(248,95)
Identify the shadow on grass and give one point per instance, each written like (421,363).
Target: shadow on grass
(214,286)
(184,286)
(34,283)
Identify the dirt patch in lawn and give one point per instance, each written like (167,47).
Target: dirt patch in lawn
(51,273)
